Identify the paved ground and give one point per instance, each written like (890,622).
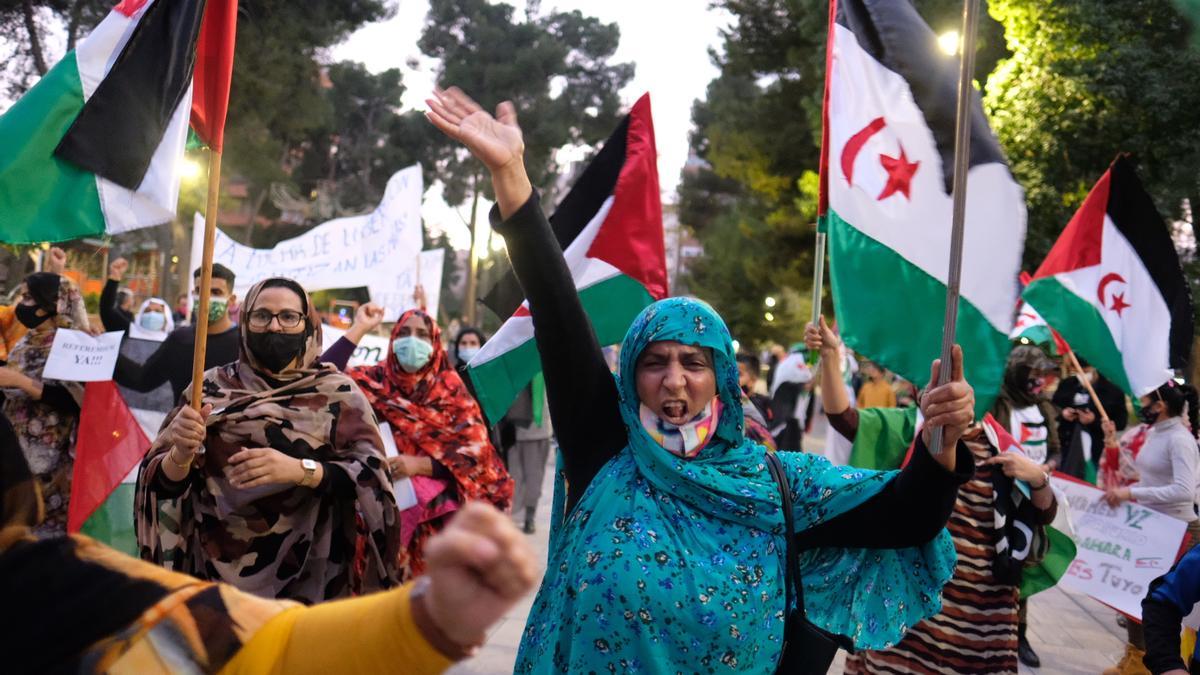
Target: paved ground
(1073,634)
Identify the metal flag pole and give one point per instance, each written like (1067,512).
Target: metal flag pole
(962,155)
(818,277)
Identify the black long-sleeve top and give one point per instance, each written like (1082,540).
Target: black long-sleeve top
(585,404)
(113,317)
(172,362)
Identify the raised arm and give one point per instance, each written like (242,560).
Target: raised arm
(109,315)
(836,402)
(584,403)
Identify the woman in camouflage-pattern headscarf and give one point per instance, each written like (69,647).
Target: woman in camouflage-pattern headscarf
(283,539)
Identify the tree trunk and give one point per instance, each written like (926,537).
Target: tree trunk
(473,262)
(35,41)
(73,24)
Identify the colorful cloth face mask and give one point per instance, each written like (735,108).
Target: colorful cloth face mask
(685,440)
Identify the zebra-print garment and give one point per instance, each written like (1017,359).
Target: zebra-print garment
(976,631)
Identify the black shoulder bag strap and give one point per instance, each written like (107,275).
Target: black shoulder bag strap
(807,650)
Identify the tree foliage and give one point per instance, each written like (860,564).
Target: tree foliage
(1067,85)
(555,68)
(1085,81)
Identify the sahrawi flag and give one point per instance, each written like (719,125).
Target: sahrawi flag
(110,445)
(1060,549)
(1113,287)
(610,227)
(96,146)
(887,161)
(1030,327)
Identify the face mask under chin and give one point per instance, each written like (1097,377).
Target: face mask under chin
(685,440)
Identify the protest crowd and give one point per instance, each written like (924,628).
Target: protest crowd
(241,482)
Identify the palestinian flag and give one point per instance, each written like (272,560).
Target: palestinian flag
(610,228)
(1060,551)
(1113,287)
(1031,328)
(110,445)
(96,146)
(887,162)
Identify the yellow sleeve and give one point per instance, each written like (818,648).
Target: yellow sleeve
(369,634)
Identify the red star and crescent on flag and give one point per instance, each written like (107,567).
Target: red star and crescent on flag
(1118,303)
(899,169)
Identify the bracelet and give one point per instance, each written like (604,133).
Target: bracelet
(171,457)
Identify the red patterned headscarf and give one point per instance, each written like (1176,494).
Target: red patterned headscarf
(433,415)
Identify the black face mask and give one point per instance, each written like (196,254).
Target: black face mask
(28,316)
(1148,414)
(275,350)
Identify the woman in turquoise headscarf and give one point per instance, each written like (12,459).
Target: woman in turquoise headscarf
(670,558)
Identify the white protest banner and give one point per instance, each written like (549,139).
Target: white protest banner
(79,357)
(371,348)
(1120,550)
(378,250)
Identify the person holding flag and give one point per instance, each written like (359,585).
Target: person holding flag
(661,477)
(263,486)
(1112,285)
(1168,467)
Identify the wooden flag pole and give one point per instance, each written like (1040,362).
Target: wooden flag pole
(210,235)
(962,156)
(1086,384)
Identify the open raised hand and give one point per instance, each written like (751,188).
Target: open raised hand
(495,141)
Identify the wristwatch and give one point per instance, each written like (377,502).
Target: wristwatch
(310,471)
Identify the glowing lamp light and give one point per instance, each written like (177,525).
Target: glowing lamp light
(190,170)
(948,42)
(769,302)
(769,317)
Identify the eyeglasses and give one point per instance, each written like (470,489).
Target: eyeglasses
(288,318)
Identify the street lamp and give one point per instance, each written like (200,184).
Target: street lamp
(948,42)
(769,302)
(190,170)
(769,317)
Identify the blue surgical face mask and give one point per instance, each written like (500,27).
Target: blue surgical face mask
(465,354)
(153,321)
(412,352)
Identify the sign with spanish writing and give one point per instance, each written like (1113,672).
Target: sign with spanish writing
(78,357)
(380,251)
(1120,550)
(371,348)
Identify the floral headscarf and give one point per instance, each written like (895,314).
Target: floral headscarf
(674,565)
(432,414)
(279,541)
(47,434)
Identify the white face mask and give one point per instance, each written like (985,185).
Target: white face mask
(465,354)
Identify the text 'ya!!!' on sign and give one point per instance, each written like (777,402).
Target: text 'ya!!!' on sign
(76,356)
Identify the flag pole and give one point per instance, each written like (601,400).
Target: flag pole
(818,277)
(1086,384)
(210,235)
(962,155)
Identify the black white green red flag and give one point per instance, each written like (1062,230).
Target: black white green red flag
(610,228)
(1113,286)
(887,160)
(96,146)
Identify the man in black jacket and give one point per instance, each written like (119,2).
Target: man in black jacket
(172,362)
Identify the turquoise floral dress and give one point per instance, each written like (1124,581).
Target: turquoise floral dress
(667,565)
